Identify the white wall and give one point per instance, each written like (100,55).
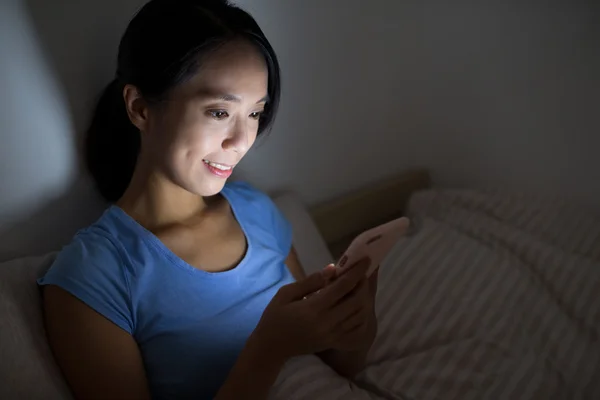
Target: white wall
(495,94)
(484,93)
(54,58)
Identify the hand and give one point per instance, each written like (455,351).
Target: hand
(293,325)
(366,329)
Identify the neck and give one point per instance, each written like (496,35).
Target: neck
(155,201)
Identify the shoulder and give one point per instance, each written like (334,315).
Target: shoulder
(245,190)
(104,247)
(97,246)
(243,193)
(91,246)
(92,268)
(93,258)
(257,208)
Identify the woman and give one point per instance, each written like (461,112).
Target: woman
(188,287)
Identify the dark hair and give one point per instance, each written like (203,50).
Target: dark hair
(162,48)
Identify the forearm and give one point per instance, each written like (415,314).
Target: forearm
(253,374)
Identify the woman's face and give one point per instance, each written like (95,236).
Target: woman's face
(208,124)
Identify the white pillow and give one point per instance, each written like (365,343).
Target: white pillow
(312,250)
(27,367)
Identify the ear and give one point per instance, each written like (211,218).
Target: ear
(137,109)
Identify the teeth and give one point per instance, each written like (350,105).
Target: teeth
(217,166)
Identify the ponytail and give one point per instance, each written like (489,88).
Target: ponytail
(112,144)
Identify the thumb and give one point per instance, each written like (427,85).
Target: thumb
(329,272)
(306,286)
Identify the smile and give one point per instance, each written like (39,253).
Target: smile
(222,167)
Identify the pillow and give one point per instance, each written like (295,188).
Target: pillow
(27,367)
(312,250)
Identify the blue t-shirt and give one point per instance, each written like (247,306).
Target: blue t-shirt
(190,325)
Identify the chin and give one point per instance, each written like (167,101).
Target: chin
(210,187)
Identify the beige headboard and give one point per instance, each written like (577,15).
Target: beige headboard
(340,220)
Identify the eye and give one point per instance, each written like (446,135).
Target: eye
(256,115)
(218,114)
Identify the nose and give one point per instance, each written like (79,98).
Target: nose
(238,137)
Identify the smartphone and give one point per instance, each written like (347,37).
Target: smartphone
(374,244)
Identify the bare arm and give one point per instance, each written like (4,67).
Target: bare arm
(293,264)
(101,361)
(98,359)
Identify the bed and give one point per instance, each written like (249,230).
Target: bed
(490,296)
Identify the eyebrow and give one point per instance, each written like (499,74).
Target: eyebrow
(230,97)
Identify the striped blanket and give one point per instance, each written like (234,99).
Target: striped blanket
(492,296)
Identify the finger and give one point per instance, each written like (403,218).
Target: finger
(355,301)
(328,275)
(359,264)
(345,310)
(341,313)
(342,285)
(355,322)
(330,267)
(358,269)
(405,223)
(351,335)
(329,272)
(359,294)
(298,290)
(373,279)
(375,274)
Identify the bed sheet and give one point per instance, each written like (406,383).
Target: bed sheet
(493,296)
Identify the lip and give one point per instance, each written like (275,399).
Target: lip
(219,172)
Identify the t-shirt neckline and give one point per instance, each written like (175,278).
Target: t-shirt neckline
(155,242)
